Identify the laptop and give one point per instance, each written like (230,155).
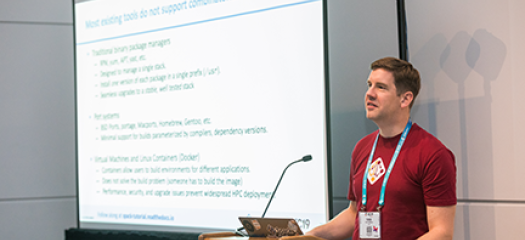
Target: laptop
(270,227)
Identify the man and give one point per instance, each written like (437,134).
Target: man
(419,194)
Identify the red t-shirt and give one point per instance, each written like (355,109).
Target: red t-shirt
(424,175)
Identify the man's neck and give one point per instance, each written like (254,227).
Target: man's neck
(394,127)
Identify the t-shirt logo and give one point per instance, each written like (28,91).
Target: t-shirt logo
(376,171)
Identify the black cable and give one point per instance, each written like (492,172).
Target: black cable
(402,30)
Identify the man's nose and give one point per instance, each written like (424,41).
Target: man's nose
(370,93)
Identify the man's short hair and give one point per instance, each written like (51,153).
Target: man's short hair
(406,77)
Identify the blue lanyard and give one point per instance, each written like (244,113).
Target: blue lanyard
(390,167)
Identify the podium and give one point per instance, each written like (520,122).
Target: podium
(233,236)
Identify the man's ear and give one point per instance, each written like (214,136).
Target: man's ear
(406,99)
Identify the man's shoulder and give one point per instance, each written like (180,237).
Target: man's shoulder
(426,143)
(423,136)
(363,146)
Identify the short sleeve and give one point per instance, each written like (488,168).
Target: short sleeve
(439,179)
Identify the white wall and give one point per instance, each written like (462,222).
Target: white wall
(37,143)
(471,54)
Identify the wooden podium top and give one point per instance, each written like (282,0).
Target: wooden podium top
(233,236)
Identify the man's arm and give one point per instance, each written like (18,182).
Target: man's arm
(440,223)
(341,227)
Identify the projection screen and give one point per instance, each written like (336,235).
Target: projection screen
(188,112)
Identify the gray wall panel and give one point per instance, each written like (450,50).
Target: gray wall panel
(37,149)
(55,11)
(470,55)
(359,32)
(470,97)
(489,221)
(38,219)
(339,205)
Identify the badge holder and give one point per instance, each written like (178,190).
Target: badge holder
(370,224)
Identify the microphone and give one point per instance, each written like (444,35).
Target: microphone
(306,158)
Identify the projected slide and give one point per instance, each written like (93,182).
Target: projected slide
(188,111)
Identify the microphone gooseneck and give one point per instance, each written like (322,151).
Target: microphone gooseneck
(306,158)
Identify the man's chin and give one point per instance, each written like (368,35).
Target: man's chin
(370,115)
